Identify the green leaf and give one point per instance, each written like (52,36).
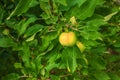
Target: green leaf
(53,56)
(84,71)
(117,44)
(108,17)
(80,2)
(69,58)
(70,4)
(85,10)
(25,54)
(47,38)
(63,2)
(54,77)
(31,38)
(7,42)
(45,44)
(101,76)
(22,7)
(97,63)
(51,66)
(33,3)
(91,35)
(93,25)
(1,13)
(45,7)
(18,65)
(51,35)
(38,64)
(32,30)
(114,76)
(11,76)
(22,28)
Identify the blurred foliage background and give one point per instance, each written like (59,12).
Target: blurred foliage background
(29,45)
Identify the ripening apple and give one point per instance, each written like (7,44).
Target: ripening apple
(67,38)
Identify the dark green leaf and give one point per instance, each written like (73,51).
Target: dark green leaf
(11,76)
(1,13)
(102,76)
(114,76)
(97,63)
(22,7)
(32,30)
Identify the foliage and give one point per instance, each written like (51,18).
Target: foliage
(29,40)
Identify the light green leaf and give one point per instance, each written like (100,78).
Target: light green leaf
(38,64)
(69,58)
(25,54)
(51,66)
(108,17)
(31,38)
(22,28)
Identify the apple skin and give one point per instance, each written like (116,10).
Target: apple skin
(67,38)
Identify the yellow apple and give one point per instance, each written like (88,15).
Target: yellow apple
(67,38)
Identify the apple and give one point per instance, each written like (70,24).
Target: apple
(67,38)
